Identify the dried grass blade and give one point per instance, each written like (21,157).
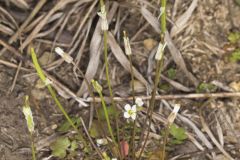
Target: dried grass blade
(210,134)
(183,19)
(122,59)
(32,35)
(20,4)
(177,57)
(95,51)
(198,132)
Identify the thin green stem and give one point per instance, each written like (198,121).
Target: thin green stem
(93,96)
(152,104)
(53,94)
(162,157)
(107,117)
(33,147)
(105,39)
(157,76)
(133,94)
(163,16)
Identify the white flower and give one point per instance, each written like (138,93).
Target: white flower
(102,141)
(173,115)
(139,102)
(130,112)
(64,55)
(160,50)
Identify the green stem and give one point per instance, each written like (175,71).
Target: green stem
(53,94)
(165,142)
(152,104)
(105,39)
(163,16)
(157,76)
(107,117)
(133,94)
(33,147)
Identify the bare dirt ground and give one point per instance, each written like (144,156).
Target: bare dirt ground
(198,52)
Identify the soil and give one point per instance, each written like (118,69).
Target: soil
(203,44)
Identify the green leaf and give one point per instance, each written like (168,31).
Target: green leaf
(234,37)
(235,56)
(176,141)
(66,125)
(177,132)
(171,73)
(206,87)
(60,146)
(74,145)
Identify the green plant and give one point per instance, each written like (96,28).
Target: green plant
(171,73)
(206,87)
(47,82)
(30,124)
(159,59)
(178,134)
(234,37)
(235,56)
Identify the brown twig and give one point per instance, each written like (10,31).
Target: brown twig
(175,96)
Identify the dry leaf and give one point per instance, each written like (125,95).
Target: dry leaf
(235,86)
(149,43)
(20,4)
(122,59)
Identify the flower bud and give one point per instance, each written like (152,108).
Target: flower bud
(103,15)
(127,46)
(64,55)
(97,86)
(159,54)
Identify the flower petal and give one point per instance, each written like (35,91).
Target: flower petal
(127,107)
(176,108)
(134,115)
(139,102)
(126,115)
(134,108)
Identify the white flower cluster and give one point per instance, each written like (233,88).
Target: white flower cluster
(131,111)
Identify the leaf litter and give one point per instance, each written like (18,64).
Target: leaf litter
(195,49)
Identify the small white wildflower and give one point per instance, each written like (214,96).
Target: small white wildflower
(127,46)
(160,50)
(64,55)
(103,15)
(102,141)
(130,112)
(28,115)
(139,102)
(173,115)
(47,82)
(162,10)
